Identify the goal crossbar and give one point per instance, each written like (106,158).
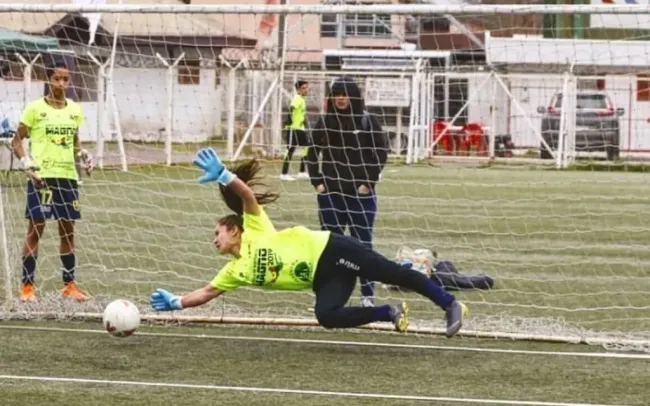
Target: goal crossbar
(395,9)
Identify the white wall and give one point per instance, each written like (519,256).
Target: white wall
(142,100)
(635,129)
(637,21)
(142,104)
(545,51)
(12,96)
(480,109)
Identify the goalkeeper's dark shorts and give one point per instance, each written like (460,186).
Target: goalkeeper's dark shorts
(57,198)
(296,138)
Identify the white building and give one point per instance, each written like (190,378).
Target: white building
(140,77)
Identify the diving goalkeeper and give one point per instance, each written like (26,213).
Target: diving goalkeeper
(298,258)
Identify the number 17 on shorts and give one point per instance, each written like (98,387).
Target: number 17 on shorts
(58,199)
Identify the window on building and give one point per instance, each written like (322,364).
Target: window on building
(189,72)
(643,87)
(328,25)
(357,25)
(365,25)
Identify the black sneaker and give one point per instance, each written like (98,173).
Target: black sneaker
(400,316)
(455,314)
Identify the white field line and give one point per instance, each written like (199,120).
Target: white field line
(351,343)
(288,391)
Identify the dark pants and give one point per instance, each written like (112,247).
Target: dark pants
(295,138)
(338,211)
(345,259)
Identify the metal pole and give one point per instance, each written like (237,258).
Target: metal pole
(27,76)
(282,26)
(231,103)
(169,119)
(559,164)
(111,93)
(101,109)
(340,29)
(493,122)
(6,263)
(276,132)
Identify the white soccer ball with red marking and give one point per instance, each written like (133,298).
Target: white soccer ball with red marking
(121,318)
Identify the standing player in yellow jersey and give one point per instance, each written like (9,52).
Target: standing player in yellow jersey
(52,125)
(298,258)
(296,130)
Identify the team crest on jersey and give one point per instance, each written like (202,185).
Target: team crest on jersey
(43,114)
(73,117)
(301,272)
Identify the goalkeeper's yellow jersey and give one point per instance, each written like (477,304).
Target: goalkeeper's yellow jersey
(51,134)
(270,259)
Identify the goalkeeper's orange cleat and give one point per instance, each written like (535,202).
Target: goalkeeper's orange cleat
(72,291)
(28,293)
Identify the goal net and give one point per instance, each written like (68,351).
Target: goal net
(568,250)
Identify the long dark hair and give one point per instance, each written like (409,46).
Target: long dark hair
(247,172)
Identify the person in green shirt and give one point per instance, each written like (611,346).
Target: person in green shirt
(297,258)
(52,125)
(296,131)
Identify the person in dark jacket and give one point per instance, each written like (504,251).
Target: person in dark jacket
(353,149)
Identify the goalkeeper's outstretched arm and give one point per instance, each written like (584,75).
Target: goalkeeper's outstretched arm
(247,196)
(163,300)
(200,296)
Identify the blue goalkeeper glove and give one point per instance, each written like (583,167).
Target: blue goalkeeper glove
(208,160)
(162,300)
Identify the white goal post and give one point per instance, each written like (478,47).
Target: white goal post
(568,250)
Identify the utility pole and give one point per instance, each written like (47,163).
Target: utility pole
(282,23)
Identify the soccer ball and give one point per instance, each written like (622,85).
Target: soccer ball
(121,318)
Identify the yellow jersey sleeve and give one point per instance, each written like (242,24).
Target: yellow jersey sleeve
(260,224)
(225,279)
(29,115)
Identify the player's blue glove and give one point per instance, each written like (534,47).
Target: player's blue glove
(162,300)
(208,160)
(7,128)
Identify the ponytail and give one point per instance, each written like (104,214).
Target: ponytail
(247,172)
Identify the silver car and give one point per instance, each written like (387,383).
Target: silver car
(597,124)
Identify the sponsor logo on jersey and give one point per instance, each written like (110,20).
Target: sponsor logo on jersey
(266,261)
(65,130)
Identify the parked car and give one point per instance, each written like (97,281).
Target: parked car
(597,124)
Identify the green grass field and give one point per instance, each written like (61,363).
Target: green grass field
(569,252)
(193,367)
